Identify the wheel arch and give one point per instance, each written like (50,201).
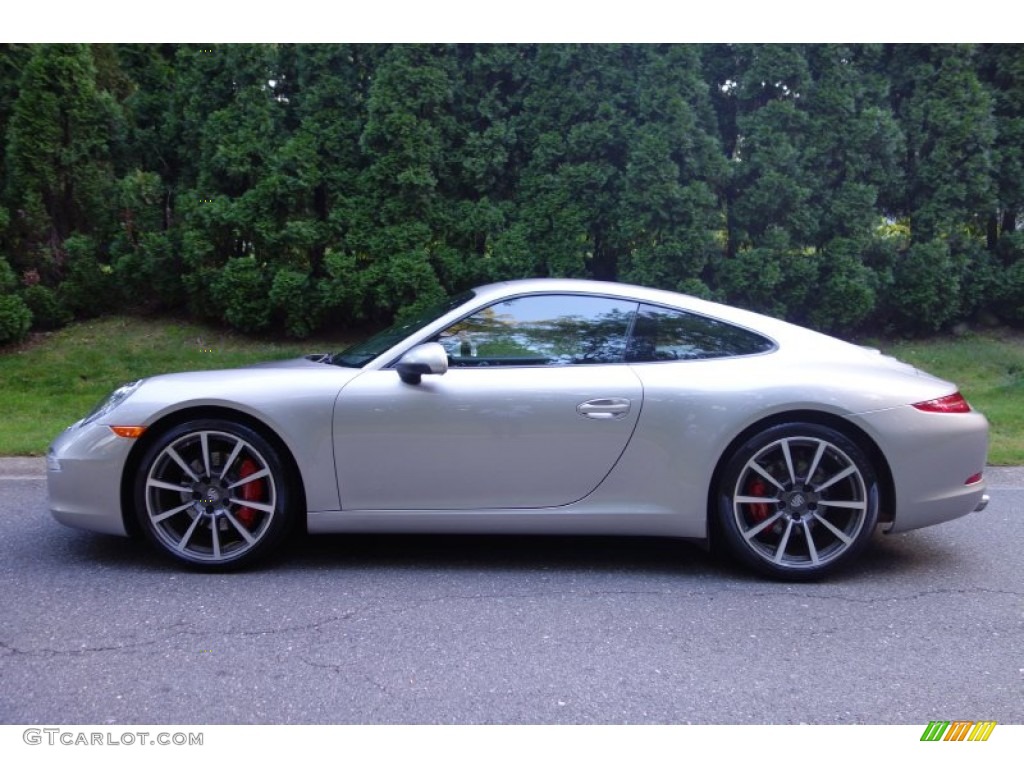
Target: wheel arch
(157,428)
(838,423)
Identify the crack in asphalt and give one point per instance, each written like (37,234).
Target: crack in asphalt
(51,652)
(10,649)
(889,598)
(339,669)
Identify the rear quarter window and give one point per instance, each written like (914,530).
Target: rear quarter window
(660,334)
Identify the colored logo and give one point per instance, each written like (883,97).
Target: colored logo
(958,730)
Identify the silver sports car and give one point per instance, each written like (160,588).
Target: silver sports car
(538,406)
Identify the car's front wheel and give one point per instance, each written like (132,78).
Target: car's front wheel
(798,501)
(213,494)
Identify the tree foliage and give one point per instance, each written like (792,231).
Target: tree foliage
(284,188)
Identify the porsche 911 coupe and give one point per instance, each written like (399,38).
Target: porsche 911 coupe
(537,407)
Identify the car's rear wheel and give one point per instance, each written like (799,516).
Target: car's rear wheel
(213,494)
(798,501)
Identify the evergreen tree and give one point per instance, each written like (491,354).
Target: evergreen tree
(59,173)
(317,171)
(287,186)
(1002,71)
(946,115)
(407,132)
(675,172)
(231,215)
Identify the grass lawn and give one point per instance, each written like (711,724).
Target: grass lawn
(57,378)
(989,368)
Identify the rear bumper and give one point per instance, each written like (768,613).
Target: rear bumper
(931,456)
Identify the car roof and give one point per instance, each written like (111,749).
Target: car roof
(752,320)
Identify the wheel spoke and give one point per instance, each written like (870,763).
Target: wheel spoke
(861,505)
(813,550)
(181,463)
(168,486)
(252,505)
(250,478)
(204,442)
(215,533)
(231,459)
(817,459)
(171,512)
(240,528)
(764,473)
(188,534)
(789,461)
(835,531)
(748,535)
(836,478)
(756,499)
(780,551)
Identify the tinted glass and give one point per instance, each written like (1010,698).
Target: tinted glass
(360,354)
(669,334)
(542,330)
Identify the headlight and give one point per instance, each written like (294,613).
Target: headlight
(111,402)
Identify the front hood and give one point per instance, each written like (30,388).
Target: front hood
(294,372)
(275,386)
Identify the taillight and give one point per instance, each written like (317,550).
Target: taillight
(954,403)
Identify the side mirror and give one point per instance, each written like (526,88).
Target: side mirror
(430,358)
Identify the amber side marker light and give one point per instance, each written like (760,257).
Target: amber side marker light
(954,403)
(131,432)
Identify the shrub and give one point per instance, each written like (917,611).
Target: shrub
(845,296)
(925,293)
(981,278)
(89,288)
(772,277)
(1008,294)
(240,290)
(8,280)
(15,319)
(295,303)
(47,312)
(148,275)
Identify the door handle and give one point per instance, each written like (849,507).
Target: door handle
(604,408)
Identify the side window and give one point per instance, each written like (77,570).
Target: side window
(670,334)
(541,330)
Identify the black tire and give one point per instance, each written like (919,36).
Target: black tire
(213,494)
(820,501)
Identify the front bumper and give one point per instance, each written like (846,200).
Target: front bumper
(83,478)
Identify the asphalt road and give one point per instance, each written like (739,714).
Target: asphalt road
(377,629)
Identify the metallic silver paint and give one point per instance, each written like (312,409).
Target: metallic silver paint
(507,450)
(429,358)
(86,491)
(479,438)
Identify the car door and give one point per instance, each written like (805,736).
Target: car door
(534,411)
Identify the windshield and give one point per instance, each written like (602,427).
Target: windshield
(360,354)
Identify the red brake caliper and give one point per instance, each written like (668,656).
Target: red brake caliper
(759,512)
(249,492)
